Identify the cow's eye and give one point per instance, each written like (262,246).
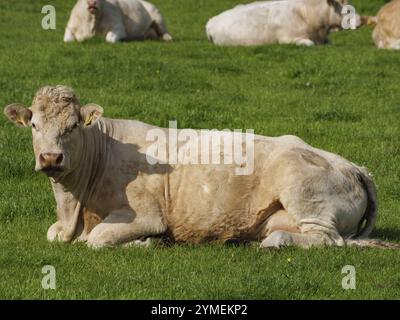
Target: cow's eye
(34,126)
(70,129)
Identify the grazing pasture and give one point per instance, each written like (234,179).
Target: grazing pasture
(343,97)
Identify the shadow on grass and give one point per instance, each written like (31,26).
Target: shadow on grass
(389,234)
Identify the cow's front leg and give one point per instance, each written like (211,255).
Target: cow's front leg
(117,33)
(68,36)
(125,226)
(55,232)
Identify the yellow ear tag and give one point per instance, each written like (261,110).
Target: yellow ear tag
(89,119)
(20,121)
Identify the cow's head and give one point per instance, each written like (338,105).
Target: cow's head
(57,121)
(337,15)
(94,6)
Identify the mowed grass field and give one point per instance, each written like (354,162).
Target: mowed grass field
(342,97)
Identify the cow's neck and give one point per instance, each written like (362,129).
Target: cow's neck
(74,190)
(96,21)
(93,23)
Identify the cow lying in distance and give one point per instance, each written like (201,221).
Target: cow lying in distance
(386,34)
(301,22)
(117,20)
(108,193)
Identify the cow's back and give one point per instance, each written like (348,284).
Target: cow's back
(263,22)
(136,19)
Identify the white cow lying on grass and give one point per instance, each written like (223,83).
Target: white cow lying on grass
(302,22)
(386,34)
(117,20)
(109,193)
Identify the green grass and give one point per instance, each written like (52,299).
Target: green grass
(343,97)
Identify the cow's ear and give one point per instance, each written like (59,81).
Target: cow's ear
(19,114)
(90,113)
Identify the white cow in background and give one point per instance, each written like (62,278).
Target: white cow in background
(117,20)
(386,34)
(302,22)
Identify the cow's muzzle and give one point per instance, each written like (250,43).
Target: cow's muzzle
(93,6)
(51,163)
(92,9)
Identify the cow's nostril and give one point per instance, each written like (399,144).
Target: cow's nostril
(59,159)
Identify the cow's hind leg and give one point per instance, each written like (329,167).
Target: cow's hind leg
(157,31)
(151,33)
(282,221)
(158,24)
(282,229)
(280,238)
(125,227)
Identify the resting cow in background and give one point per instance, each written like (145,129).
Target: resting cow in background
(117,20)
(109,193)
(301,22)
(386,34)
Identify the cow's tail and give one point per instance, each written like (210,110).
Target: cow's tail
(367,222)
(372,243)
(369,21)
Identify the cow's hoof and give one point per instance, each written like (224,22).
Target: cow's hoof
(167,37)
(55,233)
(112,37)
(305,42)
(276,240)
(140,243)
(68,36)
(97,244)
